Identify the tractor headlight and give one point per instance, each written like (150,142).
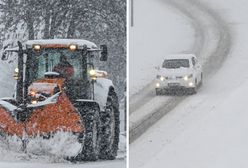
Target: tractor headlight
(16,70)
(16,73)
(36,47)
(72,47)
(34,102)
(92,72)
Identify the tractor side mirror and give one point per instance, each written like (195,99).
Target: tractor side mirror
(104,53)
(5,55)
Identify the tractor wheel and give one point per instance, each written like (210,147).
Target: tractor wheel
(110,128)
(90,139)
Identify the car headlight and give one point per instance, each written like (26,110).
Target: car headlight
(191,84)
(162,78)
(186,77)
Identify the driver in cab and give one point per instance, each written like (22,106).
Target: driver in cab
(64,68)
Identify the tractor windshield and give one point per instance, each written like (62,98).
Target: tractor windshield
(69,64)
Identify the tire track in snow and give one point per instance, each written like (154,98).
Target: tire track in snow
(212,44)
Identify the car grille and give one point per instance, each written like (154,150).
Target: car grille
(174,77)
(173,84)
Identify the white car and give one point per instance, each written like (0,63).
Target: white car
(179,72)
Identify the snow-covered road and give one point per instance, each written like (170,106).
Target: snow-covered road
(49,153)
(211,43)
(208,129)
(99,164)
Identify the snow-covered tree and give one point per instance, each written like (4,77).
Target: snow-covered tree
(100,21)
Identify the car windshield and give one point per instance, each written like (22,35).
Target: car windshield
(176,63)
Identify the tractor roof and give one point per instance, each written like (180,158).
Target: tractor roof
(80,43)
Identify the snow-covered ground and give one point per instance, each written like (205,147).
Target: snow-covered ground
(208,129)
(154,20)
(47,153)
(99,164)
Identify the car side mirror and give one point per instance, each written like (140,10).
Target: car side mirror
(4,56)
(104,53)
(157,68)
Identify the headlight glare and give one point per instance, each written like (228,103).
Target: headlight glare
(92,72)
(36,47)
(162,78)
(72,47)
(186,78)
(34,102)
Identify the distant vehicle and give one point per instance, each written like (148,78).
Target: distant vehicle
(179,72)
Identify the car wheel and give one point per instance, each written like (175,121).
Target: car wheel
(194,89)
(158,92)
(201,80)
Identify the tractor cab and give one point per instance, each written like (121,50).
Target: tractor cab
(55,65)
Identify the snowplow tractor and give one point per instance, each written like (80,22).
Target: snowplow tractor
(59,90)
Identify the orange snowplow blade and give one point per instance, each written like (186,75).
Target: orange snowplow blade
(61,116)
(55,81)
(43,120)
(8,124)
